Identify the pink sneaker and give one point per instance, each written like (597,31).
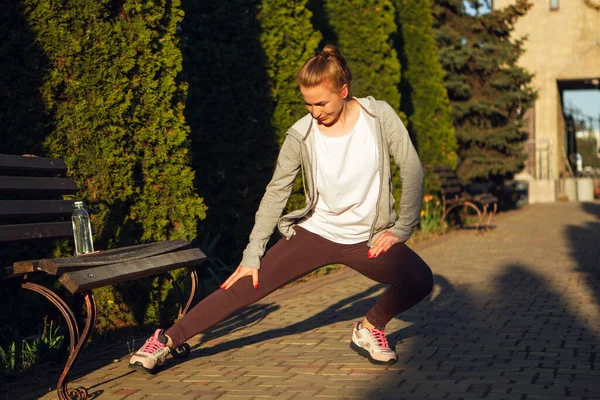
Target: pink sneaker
(372,345)
(154,352)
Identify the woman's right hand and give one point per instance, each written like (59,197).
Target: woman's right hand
(241,272)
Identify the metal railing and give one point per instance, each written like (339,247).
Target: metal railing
(538,163)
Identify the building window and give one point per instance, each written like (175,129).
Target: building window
(553,4)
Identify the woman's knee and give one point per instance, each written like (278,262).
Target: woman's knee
(422,285)
(428,281)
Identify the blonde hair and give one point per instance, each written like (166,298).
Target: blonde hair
(328,65)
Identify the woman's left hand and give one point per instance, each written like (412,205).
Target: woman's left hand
(383,243)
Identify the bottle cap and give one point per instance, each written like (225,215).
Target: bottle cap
(79,203)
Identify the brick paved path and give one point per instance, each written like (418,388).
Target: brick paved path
(514,315)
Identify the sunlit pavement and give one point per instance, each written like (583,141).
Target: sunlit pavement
(514,315)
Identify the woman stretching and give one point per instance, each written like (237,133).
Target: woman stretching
(342,148)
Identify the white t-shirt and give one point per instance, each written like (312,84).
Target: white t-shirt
(347,185)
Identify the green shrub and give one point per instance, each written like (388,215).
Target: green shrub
(431,216)
(23,354)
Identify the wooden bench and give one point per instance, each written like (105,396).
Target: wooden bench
(453,196)
(33,210)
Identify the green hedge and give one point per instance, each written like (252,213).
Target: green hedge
(424,97)
(169,113)
(115,112)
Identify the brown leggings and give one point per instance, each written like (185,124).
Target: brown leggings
(410,279)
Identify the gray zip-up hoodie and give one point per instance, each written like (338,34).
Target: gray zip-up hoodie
(298,153)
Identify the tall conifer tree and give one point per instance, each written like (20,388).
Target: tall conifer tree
(118,122)
(24,63)
(424,97)
(241,57)
(288,39)
(364,31)
(118,114)
(489,92)
(230,112)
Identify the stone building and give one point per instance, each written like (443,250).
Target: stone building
(563,51)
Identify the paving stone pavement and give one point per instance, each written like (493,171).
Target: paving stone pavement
(513,315)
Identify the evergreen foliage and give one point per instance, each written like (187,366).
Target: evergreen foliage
(118,122)
(288,40)
(588,148)
(118,114)
(488,91)
(230,111)
(364,30)
(23,62)
(424,97)
(107,86)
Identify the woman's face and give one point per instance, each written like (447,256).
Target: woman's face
(325,105)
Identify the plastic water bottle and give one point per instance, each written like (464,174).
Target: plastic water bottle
(82,230)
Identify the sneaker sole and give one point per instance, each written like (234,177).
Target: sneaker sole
(140,367)
(367,355)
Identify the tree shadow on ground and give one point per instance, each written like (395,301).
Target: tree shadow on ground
(523,339)
(585,248)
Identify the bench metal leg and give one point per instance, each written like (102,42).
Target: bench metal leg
(194,287)
(490,215)
(487,215)
(62,307)
(178,290)
(465,204)
(77,340)
(194,278)
(79,393)
(184,349)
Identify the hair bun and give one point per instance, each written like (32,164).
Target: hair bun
(328,64)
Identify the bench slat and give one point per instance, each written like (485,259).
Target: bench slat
(486,198)
(442,168)
(59,266)
(451,191)
(40,165)
(14,209)
(9,233)
(92,278)
(450,183)
(25,267)
(446,175)
(41,186)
